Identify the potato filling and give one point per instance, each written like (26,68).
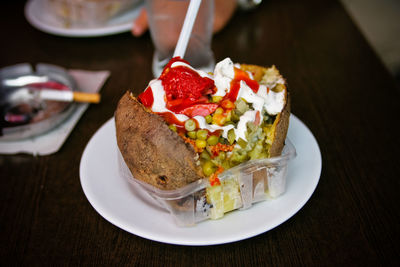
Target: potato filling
(229,117)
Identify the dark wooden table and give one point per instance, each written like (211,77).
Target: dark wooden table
(340,90)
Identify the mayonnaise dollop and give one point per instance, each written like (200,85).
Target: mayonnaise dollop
(224,72)
(273,101)
(240,131)
(200,72)
(247,94)
(159,104)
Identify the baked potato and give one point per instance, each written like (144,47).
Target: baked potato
(170,151)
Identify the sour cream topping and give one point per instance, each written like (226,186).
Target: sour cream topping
(247,94)
(273,102)
(200,72)
(224,73)
(159,104)
(213,127)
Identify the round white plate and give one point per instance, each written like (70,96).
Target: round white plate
(42,20)
(114,199)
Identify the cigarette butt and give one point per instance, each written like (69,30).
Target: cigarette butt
(86,97)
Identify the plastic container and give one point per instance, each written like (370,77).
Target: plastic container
(86,13)
(241,186)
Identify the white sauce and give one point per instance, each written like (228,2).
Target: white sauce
(157,88)
(247,94)
(200,72)
(240,131)
(224,73)
(273,101)
(212,127)
(159,100)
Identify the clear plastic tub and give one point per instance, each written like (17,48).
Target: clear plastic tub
(86,13)
(241,186)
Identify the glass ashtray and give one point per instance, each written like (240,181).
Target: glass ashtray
(22,113)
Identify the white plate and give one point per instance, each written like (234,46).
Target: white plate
(42,20)
(114,199)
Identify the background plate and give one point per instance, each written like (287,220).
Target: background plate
(45,22)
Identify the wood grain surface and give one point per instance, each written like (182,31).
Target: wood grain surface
(339,87)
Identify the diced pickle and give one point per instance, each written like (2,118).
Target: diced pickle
(223,141)
(231,136)
(234,116)
(251,127)
(242,143)
(241,106)
(238,157)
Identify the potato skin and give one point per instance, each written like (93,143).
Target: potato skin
(153,153)
(281,129)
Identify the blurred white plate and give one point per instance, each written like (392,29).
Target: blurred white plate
(114,199)
(42,20)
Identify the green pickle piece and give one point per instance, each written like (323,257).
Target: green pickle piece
(238,157)
(241,106)
(234,116)
(242,143)
(231,136)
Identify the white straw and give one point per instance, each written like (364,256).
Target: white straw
(187,27)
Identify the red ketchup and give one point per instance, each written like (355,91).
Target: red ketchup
(186,92)
(241,75)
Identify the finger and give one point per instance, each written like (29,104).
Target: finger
(140,24)
(224,10)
